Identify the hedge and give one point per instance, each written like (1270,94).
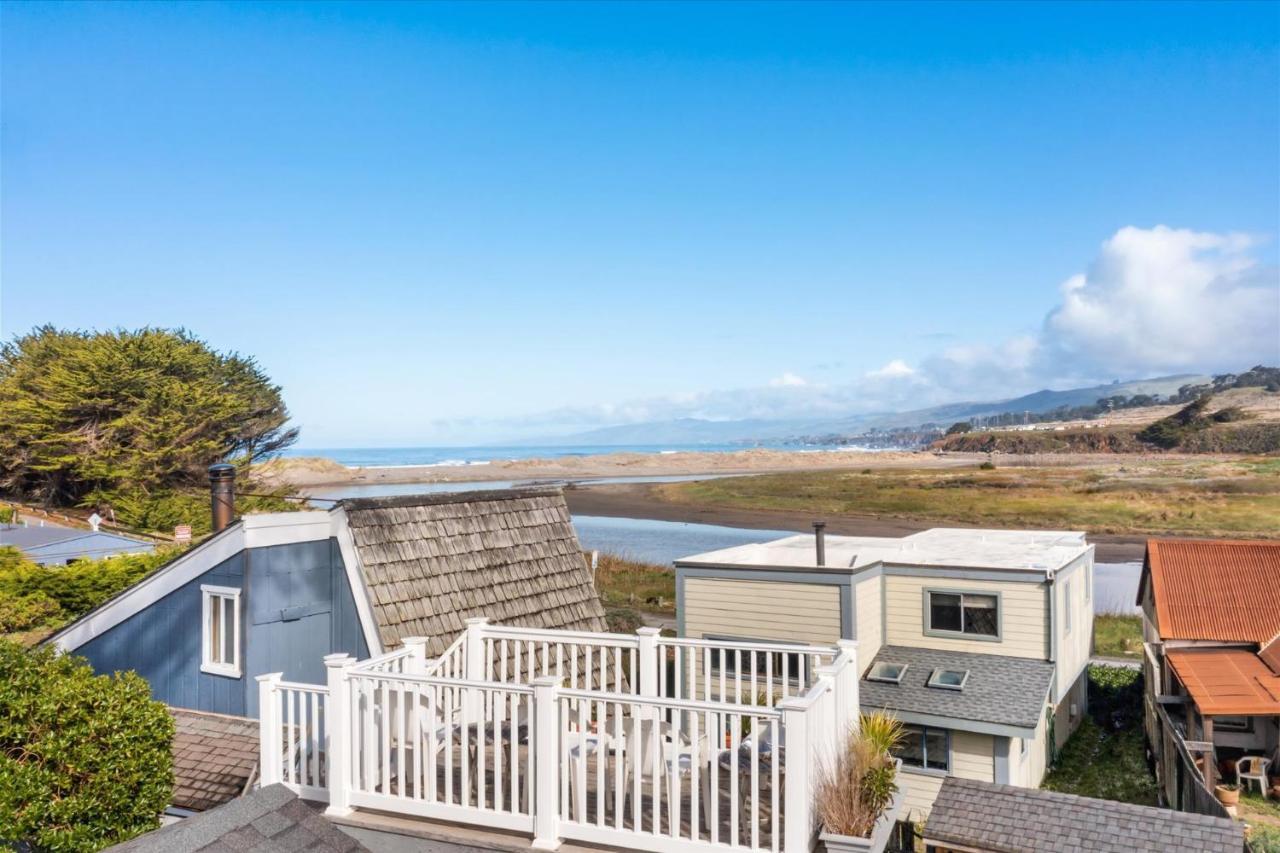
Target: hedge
(85,759)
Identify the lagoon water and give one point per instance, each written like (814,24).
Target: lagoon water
(1115,584)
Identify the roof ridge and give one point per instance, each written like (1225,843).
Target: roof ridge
(436,498)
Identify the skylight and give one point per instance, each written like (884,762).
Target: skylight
(889,672)
(949,679)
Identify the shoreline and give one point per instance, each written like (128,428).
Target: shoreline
(636,500)
(304,473)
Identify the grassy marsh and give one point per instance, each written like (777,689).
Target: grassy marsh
(1203,497)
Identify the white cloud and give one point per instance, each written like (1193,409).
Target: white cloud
(1166,300)
(788,380)
(895,369)
(1154,301)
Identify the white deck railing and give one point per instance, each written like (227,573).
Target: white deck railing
(627,740)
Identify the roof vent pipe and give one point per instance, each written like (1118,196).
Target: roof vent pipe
(222,494)
(820,541)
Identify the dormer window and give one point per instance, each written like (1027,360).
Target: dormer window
(967,614)
(221,631)
(887,672)
(949,679)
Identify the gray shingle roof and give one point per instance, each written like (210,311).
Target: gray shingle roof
(214,757)
(432,561)
(269,820)
(1002,690)
(1007,819)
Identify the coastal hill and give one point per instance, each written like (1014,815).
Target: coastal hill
(695,430)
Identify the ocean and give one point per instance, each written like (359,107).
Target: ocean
(392,457)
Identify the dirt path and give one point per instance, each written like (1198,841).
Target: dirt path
(638,500)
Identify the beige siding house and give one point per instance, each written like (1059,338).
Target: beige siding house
(978,640)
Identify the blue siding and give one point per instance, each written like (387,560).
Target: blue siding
(296,605)
(163,644)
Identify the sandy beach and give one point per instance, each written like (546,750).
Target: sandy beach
(312,472)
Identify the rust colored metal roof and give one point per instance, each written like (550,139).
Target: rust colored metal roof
(1215,589)
(1234,682)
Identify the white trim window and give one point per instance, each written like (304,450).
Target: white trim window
(220,637)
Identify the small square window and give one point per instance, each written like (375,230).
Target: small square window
(949,679)
(885,671)
(220,635)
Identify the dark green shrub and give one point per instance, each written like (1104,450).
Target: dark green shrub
(24,612)
(988,466)
(84,759)
(78,587)
(1115,696)
(959,427)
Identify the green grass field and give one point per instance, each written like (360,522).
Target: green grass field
(623,582)
(1147,496)
(1117,635)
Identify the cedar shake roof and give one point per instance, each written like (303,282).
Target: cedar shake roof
(980,816)
(430,562)
(214,758)
(1225,590)
(1235,682)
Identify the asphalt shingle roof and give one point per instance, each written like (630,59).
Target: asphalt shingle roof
(1007,819)
(269,820)
(1003,690)
(214,757)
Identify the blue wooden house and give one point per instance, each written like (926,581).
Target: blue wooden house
(277,592)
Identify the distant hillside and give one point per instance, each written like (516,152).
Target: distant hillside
(696,431)
(1239,420)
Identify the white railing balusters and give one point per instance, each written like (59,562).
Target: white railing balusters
(619,744)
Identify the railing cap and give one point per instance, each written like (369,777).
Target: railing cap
(338,659)
(477,620)
(269,676)
(414,641)
(648,631)
(548,681)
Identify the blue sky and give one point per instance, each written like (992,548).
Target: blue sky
(436,223)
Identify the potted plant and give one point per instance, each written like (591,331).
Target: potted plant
(1228,793)
(857,791)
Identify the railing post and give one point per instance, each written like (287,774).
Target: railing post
(546,762)
(416,664)
(269,729)
(648,662)
(337,728)
(847,697)
(798,795)
(475,648)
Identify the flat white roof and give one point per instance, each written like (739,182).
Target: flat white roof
(942,547)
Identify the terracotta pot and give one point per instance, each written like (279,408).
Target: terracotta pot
(1227,796)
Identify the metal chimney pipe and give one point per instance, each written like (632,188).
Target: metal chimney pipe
(820,541)
(222,494)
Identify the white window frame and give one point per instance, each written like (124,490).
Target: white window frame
(209,594)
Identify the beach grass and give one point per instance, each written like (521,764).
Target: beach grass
(1117,635)
(623,582)
(1206,497)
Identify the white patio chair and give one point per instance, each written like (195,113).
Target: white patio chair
(1253,768)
